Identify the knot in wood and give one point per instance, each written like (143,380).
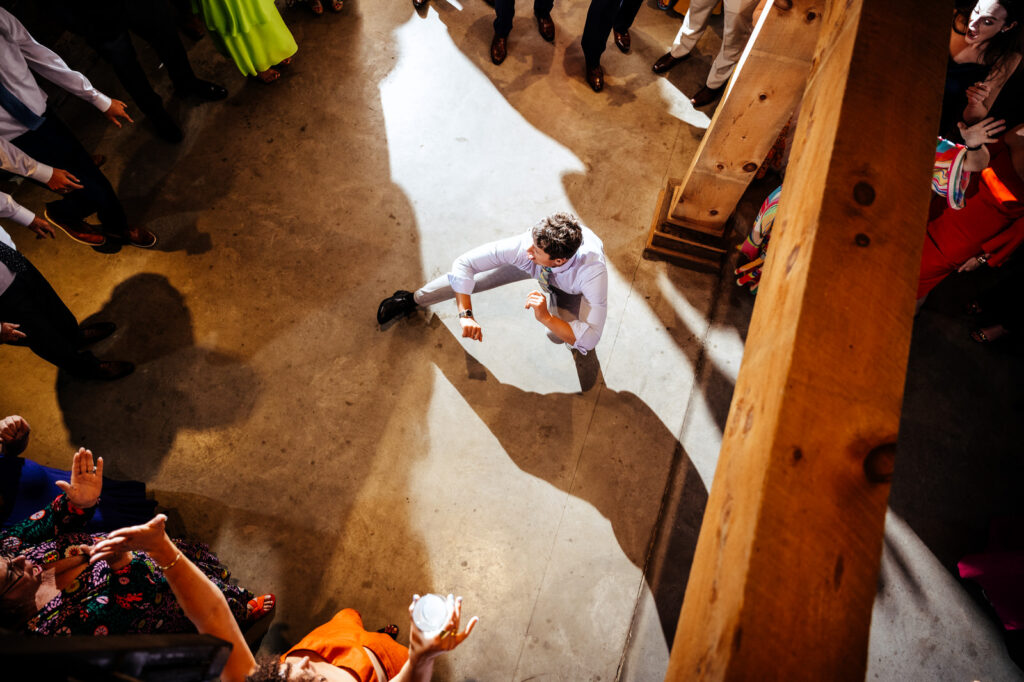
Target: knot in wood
(811,16)
(861,239)
(720,166)
(713,211)
(750,166)
(762,97)
(864,193)
(880,463)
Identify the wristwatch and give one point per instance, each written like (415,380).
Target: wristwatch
(466,313)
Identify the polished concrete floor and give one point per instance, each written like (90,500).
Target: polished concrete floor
(337,464)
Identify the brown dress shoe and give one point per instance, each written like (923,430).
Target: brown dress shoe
(111,370)
(546,27)
(621,40)
(97,331)
(141,237)
(706,96)
(499,49)
(667,61)
(79,230)
(595,77)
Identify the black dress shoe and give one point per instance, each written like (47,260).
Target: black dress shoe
(97,331)
(667,61)
(499,49)
(205,90)
(706,96)
(546,27)
(595,77)
(622,40)
(419,4)
(399,304)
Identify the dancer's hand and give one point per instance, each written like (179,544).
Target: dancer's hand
(117,111)
(86,480)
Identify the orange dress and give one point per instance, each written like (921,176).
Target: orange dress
(340,642)
(992,220)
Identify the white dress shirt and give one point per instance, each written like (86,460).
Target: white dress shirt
(584,274)
(6,276)
(20,54)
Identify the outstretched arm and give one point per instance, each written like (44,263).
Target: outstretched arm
(202,601)
(423,650)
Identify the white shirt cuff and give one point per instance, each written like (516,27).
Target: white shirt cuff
(42,173)
(102,102)
(23,216)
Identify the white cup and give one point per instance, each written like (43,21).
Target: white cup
(431,613)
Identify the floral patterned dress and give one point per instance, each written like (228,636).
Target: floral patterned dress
(135,599)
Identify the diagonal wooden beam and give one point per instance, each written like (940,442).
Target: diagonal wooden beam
(786,566)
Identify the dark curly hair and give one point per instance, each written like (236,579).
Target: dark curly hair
(559,235)
(1001,46)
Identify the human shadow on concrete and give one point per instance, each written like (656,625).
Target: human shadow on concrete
(543,435)
(133,422)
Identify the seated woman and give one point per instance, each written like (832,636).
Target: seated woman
(49,586)
(341,650)
(990,227)
(26,487)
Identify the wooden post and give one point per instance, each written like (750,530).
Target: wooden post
(692,215)
(786,566)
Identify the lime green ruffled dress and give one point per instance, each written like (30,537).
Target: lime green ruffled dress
(251,32)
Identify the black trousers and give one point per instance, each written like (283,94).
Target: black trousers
(55,145)
(50,329)
(152,21)
(505,10)
(602,16)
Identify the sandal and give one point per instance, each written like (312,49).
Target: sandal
(259,607)
(988,334)
(390,630)
(286,61)
(317,7)
(337,5)
(268,76)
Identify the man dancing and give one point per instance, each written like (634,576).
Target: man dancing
(565,258)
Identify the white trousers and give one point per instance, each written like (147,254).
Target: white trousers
(739,24)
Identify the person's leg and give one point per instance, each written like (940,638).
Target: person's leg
(626,15)
(51,330)
(600,17)
(542,8)
(504,11)
(739,24)
(153,22)
(120,54)
(438,290)
(694,23)
(55,145)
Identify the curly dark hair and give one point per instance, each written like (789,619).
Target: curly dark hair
(269,669)
(1001,46)
(559,235)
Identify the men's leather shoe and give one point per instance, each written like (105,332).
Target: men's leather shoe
(667,61)
(595,77)
(499,49)
(399,304)
(419,4)
(546,27)
(78,230)
(140,237)
(622,40)
(95,332)
(211,92)
(111,370)
(707,95)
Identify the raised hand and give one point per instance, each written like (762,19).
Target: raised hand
(982,132)
(86,480)
(424,649)
(539,303)
(150,537)
(13,427)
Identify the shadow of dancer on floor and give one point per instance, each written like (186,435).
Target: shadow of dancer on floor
(545,435)
(133,422)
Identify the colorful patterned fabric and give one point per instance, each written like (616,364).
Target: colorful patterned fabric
(133,600)
(949,179)
(755,246)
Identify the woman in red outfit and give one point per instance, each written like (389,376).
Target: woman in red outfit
(990,226)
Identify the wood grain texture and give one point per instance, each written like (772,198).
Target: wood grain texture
(761,96)
(786,566)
